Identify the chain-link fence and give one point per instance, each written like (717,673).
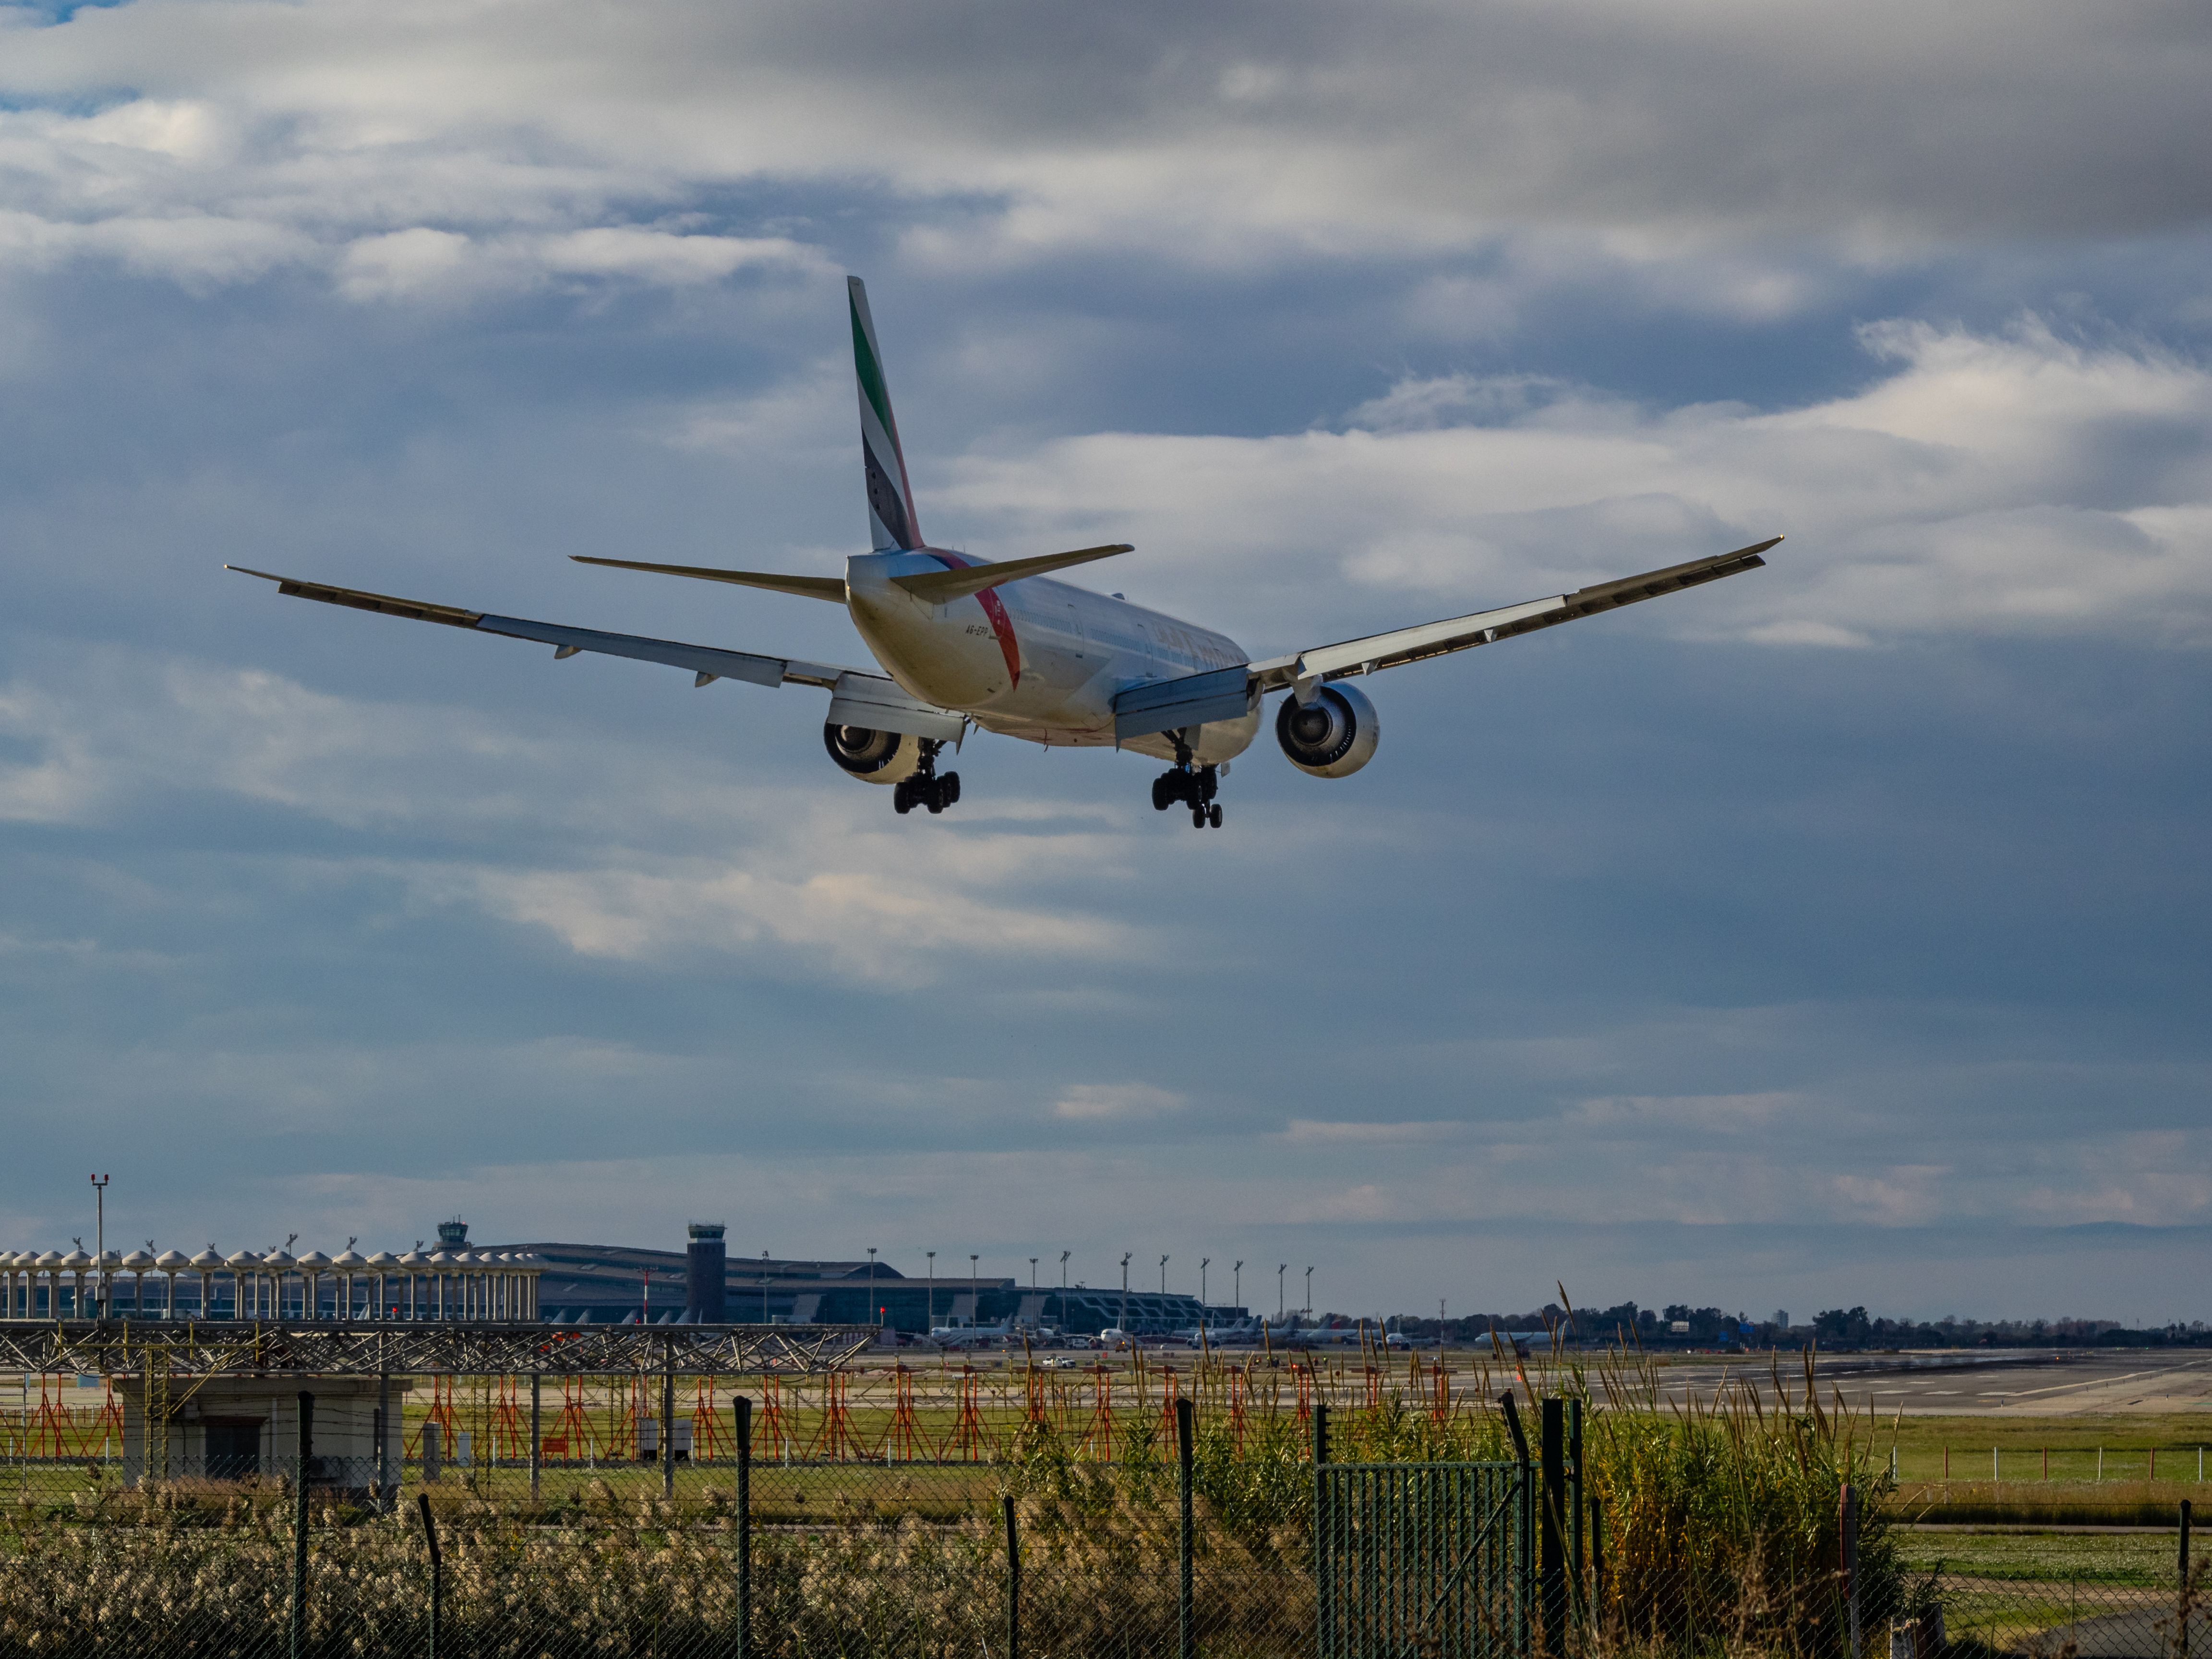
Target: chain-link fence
(1197,1535)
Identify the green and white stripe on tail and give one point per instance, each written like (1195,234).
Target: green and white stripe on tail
(891,521)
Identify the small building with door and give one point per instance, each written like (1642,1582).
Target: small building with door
(241,1428)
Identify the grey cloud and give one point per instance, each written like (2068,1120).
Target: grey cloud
(1222,133)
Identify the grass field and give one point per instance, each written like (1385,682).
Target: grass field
(2079,1557)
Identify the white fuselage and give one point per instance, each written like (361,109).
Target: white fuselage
(1035,658)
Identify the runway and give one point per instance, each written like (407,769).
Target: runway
(2027,1383)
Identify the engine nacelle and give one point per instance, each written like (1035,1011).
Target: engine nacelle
(870,755)
(1332,736)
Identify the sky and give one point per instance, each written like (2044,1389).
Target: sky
(1835,934)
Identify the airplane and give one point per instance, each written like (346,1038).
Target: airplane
(972,1336)
(960,643)
(1238,1333)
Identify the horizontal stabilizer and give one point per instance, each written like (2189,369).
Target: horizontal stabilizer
(943,587)
(1223,694)
(812,588)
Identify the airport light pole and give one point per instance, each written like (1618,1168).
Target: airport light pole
(764,1290)
(1064,1255)
(974,1291)
(1033,1261)
(932,1255)
(1309,1292)
(99,1238)
(1164,1275)
(1236,1285)
(1202,1262)
(1281,1267)
(875,1314)
(1123,1322)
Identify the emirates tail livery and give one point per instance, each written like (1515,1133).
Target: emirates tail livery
(958,641)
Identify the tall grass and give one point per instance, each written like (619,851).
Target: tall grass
(1723,1519)
(1720,1522)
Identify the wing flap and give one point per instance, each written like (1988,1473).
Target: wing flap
(873,701)
(943,587)
(706,661)
(699,659)
(359,599)
(1220,694)
(1406,645)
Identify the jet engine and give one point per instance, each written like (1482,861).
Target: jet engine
(870,755)
(1332,736)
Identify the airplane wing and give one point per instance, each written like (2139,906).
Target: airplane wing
(858,696)
(1225,693)
(1405,645)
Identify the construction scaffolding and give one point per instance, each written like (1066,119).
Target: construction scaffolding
(118,1347)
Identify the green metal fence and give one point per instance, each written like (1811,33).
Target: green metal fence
(1422,1561)
(1428,1559)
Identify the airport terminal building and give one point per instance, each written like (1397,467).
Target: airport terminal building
(615,1284)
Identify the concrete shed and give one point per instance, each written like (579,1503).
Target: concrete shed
(240,1428)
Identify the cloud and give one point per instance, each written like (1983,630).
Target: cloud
(1906,1195)
(2020,483)
(857,923)
(803,887)
(1611,1116)
(1242,133)
(1312,1131)
(1116,1103)
(419,262)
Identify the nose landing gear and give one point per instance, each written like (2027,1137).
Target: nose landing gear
(925,787)
(1194,787)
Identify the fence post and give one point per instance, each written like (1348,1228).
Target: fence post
(1578,1588)
(1524,1542)
(384,1482)
(298,1632)
(1551,1557)
(1014,1583)
(1186,1641)
(537,1406)
(437,1570)
(1323,1543)
(668,1423)
(2188,1599)
(1848,1543)
(742,1409)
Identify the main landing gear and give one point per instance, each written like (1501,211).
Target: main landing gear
(925,787)
(1195,786)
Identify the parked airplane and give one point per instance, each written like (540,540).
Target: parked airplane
(973,1336)
(961,642)
(1237,1334)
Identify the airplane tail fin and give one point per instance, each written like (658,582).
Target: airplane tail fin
(891,521)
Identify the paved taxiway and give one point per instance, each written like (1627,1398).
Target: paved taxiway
(2101,1381)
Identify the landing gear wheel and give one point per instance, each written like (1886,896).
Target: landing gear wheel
(1198,817)
(1213,815)
(1163,797)
(924,788)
